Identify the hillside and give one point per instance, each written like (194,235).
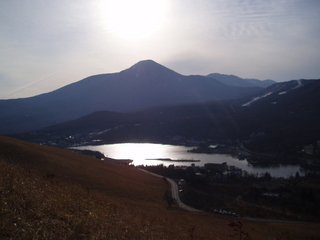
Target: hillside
(91,199)
(287,113)
(160,124)
(145,84)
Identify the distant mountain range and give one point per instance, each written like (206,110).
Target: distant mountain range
(282,118)
(233,80)
(144,85)
(151,103)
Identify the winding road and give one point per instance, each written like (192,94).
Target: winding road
(174,192)
(175,196)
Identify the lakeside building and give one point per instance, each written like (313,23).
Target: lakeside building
(216,167)
(309,149)
(212,171)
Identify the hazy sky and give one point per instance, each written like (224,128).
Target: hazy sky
(45,45)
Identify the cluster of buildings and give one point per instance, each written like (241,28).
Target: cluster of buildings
(212,171)
(312,150)
(311,159)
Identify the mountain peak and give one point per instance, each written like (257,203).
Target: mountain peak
(148,68)
(147,61)
(146,64)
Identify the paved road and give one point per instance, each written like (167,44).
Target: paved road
(175,196)
(174,192)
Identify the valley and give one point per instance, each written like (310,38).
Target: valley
(281,123)
(90,198)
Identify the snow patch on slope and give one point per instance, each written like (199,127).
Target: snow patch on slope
(299,84)
(278,89)
(256,99)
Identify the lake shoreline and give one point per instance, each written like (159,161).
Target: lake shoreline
(140,152)
(173,160)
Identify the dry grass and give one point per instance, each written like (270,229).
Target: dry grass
(33,207)
(36,208)
(91,199)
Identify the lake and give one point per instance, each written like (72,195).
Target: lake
(141,152)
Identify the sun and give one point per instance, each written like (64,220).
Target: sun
(134,19)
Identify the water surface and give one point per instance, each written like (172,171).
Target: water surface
(141,152)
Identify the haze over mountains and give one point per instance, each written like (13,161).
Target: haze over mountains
(145,84)
(233,80)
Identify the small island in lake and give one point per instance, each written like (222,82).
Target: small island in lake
(173,160)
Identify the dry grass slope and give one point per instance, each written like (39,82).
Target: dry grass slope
(91,199)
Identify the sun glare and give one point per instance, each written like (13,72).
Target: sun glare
(134,19)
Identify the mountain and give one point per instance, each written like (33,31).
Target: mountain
(209,120)
(287,113)
(233,80)
(285,116)
(296,92)
(145,84)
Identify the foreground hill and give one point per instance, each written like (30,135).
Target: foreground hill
(91,199)
(145,84)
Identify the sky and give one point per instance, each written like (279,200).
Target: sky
(45,45)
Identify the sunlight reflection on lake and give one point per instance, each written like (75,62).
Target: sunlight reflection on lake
(141,152)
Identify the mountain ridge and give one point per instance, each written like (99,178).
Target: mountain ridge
(145,84)
(287,113)
(233,80)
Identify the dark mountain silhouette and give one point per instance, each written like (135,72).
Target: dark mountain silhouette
(285,116)
(159,124)
(288,113)
(233,80)
(145,84)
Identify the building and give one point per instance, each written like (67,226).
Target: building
(309,149)
(234,171)
(216,167)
